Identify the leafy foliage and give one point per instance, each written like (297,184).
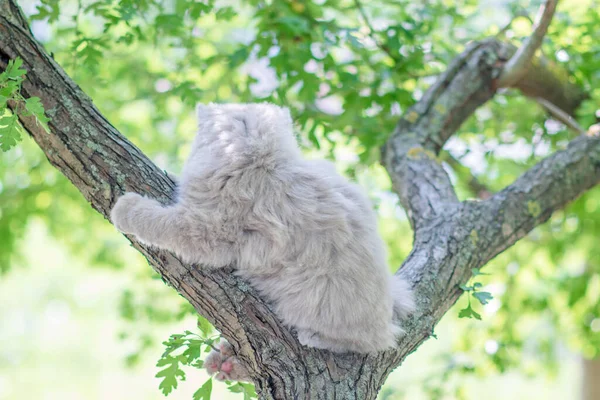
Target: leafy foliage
(246,389)
(188,347)
(474,291)
(10,91)
(204,392)
(186,350)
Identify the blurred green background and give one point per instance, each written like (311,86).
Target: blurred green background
(82,315)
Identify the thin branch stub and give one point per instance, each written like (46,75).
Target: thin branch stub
(518,64)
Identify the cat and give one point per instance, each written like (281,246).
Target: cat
(300,233)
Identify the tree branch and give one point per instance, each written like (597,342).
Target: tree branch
(517,66)
(471,80)
(478,189)
(520,14)
(547,80)
(561,116)
(467,237)
(410,157)
(548,186)
(452,238)
(103,164)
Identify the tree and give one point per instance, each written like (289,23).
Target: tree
(452,239)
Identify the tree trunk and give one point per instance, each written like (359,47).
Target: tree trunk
(590,385)
(451,237)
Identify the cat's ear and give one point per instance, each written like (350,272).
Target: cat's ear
(276,116)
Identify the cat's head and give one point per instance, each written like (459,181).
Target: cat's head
(255,130)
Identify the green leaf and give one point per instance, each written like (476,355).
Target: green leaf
(313,137)
(477,272)
(204,392)
(294,24)
(468,313)
(246,388)
(9,88)
(13,70)
(208,343)
(169,24)
(225,13)
(205,327)
(238,57)
(193,351)
(237,388)
(36,108)
(9,132)
(483,297)
(249,392)
(170,374)
(196,10)
(48,9)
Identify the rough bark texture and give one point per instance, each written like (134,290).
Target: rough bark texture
(451,237)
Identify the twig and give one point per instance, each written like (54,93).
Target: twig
(479,189)
(505,28)
(561,116)
(517,66)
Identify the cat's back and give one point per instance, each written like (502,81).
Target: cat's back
(291,214)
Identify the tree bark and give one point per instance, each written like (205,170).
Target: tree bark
(451,237)
(590,385)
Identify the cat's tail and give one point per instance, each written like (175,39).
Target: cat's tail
(404,301)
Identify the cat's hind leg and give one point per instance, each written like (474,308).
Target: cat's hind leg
(223,362)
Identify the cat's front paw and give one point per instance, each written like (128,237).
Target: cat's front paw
(121,213)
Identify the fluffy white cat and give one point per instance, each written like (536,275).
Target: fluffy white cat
(300,233)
